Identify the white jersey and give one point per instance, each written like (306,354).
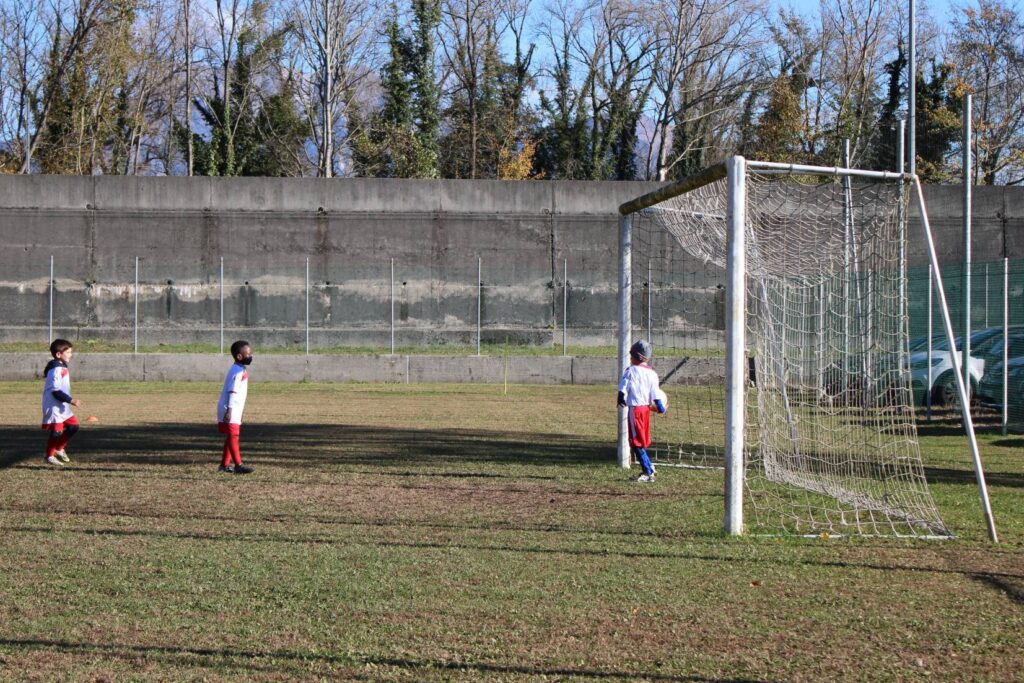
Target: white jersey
(58,379)
(236,387)
(639,383)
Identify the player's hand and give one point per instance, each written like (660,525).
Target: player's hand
(622,399)
(75,402)
(227,415)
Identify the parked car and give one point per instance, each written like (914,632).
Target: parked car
(990,388)
(943,385)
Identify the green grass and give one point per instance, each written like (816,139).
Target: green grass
(436,532)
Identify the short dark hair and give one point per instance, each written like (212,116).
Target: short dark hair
(237,347)
(59,346)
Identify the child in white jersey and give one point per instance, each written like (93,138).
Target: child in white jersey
(638,390)
(230,408)
(58,419)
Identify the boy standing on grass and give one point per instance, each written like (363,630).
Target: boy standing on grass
(638,389)
(230,407)
(58,419)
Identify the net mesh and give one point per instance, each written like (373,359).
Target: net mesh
(831,444)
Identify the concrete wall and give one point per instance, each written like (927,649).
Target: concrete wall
(350,230)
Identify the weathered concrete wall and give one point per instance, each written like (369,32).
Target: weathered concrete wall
(350,230)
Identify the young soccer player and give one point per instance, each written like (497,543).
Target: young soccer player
(638,390)
(58,419)
(230,407)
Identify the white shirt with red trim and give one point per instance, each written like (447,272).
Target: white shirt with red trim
(57,379)
(639,383)
(236,387)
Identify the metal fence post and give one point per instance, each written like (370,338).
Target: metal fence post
(392,307)
(135,325)
(479,295)
(50,313)
(222,304)
(565,306)
(1006,345)
(307,305)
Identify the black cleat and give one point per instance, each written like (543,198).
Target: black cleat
(242,469)
(229,469)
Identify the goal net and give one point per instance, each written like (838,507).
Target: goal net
(829,442)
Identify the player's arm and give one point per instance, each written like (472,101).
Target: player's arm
(57,389)
(659,404)
(622,388)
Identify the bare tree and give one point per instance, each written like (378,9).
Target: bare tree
(469,33)
(705,68)
(44,42)
(337,42)
(987,45)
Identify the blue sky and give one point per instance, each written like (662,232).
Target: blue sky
(938,9)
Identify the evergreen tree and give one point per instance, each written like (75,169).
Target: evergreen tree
(884,142)
(778,133)
(939,123)
(264,135)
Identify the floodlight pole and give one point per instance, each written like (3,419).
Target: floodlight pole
(966,368)
(912,90)
(965,408)
(625,325)
(735,340)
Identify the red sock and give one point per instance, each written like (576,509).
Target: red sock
(236,449)
(53,444)
(226,458)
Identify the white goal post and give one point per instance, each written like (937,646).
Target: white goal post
(813,321)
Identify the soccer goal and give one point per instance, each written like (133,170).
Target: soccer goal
(775,297)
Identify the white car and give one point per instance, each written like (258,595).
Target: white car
(943,385)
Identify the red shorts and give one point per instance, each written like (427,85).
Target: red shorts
(59,426)
(229,428)
(638,420)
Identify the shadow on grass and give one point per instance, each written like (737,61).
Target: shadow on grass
(1002,580)
(252,660)
(311,445)
(1012,586)
(942,475)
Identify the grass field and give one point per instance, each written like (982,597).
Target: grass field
(455,533)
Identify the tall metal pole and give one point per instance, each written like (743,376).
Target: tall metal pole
(650,300)
(965,363)
(565,306)
(222,304)
(928,385)
(912,90)
(735,340)
(50,314)
(625,325)
(901,164)
(135,324)
(392,307)
(965,408)
(1006,344)
(307,305)
(479,297)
